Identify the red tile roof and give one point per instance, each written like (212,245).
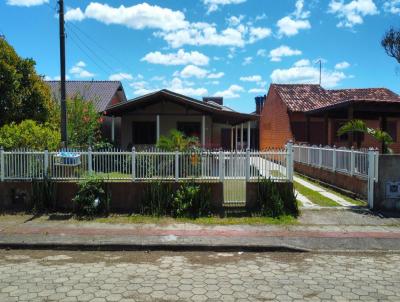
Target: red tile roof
(306,97)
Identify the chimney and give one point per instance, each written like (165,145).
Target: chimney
(215,99)
(259,103)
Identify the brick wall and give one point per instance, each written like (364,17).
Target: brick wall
(275,129)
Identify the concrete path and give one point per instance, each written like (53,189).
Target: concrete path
(323,192)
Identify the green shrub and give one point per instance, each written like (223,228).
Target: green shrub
(275,200)
(43,195)
(92,197)
(191,201)
(157,199)
(29,134)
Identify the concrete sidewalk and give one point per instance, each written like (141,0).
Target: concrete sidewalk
(316,231)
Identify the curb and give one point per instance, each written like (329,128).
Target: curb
(152,247)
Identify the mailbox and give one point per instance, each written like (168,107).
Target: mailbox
(393,189)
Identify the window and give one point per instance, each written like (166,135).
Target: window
(144,133)
(189,128)
(392,130)
(357,136)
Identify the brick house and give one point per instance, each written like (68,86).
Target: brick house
(311,114)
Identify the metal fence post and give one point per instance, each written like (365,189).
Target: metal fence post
(2,164)
(289,161)
(320,156)
(176,165)
(46,163)
(371,177)
(308,155)
(133,164)
(352,161)
(221,166)
(247,164)
(90,160)
(334,159)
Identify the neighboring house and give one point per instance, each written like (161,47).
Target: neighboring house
(310,114)
(145,118)
(102,94)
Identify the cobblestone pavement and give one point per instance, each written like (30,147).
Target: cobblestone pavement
(190,276)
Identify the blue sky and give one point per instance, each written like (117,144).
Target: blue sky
(230,48)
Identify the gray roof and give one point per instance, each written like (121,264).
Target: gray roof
(98,92)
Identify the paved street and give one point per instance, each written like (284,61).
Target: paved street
(166,276)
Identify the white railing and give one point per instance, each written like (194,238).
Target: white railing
(146,165)
(348,161)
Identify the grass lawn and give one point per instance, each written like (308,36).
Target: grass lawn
(356,202)
(202,221)
(315,197)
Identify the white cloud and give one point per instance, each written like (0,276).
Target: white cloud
(138,16)
(302,72)
(178,86)
(392,6)
(290,27)
(262,52)
(56,78)
(26,3)
(352,13)
(74,14)
(292,24)
(179,58)
(247,61)
(192,71)
(258,33)
(256,90)
(216,75)
(212,5)
(342,65)
(235,21)
(79,71)
(231,93)
(120,77)
(253,78)
(283,51)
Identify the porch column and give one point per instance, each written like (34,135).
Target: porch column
(158,126)
(308,130)
(231,138)
(241,136)
(326,130)
(236,137)
(350,116)
(383,126)
(248,135)
(203,131)
(113,128)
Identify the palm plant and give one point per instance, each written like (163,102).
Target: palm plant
(177,141)
(360,126)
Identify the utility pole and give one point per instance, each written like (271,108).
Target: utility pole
(320,70)
(63,105)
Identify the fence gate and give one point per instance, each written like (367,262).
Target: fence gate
(234,192)
(234,181)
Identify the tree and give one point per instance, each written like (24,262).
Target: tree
(83,124)
(359,126)
(177,141)
(29,134)
(23,93)
(391,43)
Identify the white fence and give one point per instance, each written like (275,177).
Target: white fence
(146,165)
(347,161)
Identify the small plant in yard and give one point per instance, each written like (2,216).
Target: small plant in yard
(157,199)
(43,195)
(92,197)
(276,200)
(191,201)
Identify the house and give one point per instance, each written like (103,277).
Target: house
(145,118)
(311,114)
(102,94)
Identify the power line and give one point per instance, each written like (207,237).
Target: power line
(88,55)
(82,42)
(98,45)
